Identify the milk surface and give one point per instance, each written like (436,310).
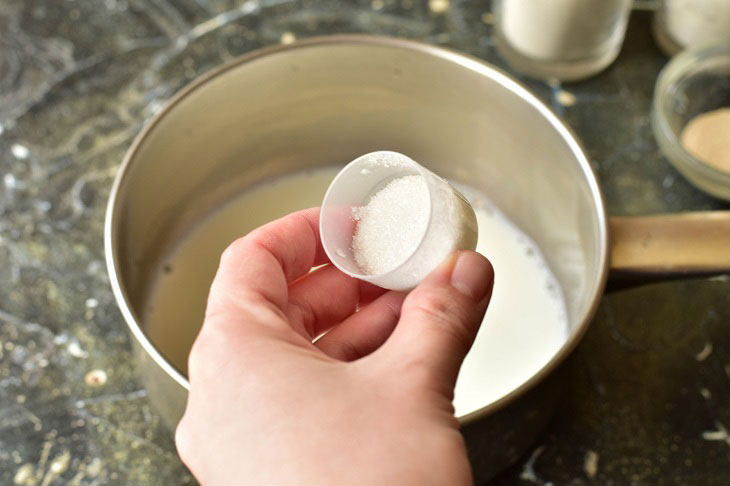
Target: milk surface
(525,324)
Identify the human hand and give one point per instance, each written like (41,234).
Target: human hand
(368,403)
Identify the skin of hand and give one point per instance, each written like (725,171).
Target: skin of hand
(367,403)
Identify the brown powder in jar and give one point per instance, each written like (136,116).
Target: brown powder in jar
(707,137)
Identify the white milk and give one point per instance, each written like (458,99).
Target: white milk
(524,326)
(692,23)
(526,322)
(564,30)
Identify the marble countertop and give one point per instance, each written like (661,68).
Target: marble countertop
(648,399)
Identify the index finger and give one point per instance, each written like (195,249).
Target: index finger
(263,263)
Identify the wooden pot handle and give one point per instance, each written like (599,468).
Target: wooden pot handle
(659,247)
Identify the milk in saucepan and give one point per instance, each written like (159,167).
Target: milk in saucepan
(527,320)
(525,325)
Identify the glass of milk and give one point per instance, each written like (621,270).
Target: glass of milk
(682,24)
(563,39)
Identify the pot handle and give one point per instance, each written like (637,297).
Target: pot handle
(647,249)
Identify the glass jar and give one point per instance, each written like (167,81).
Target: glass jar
(694,82)
(679,24)
(563,39)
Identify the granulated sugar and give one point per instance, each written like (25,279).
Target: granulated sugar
(391,225)
(390,221)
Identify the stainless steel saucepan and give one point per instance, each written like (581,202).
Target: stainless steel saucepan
(325,101)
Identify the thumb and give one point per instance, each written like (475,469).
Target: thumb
(440,318)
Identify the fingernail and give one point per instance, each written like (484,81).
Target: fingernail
(472,275)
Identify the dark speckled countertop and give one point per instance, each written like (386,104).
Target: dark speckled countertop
(648,400)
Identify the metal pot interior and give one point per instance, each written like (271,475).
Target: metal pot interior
(324,102)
